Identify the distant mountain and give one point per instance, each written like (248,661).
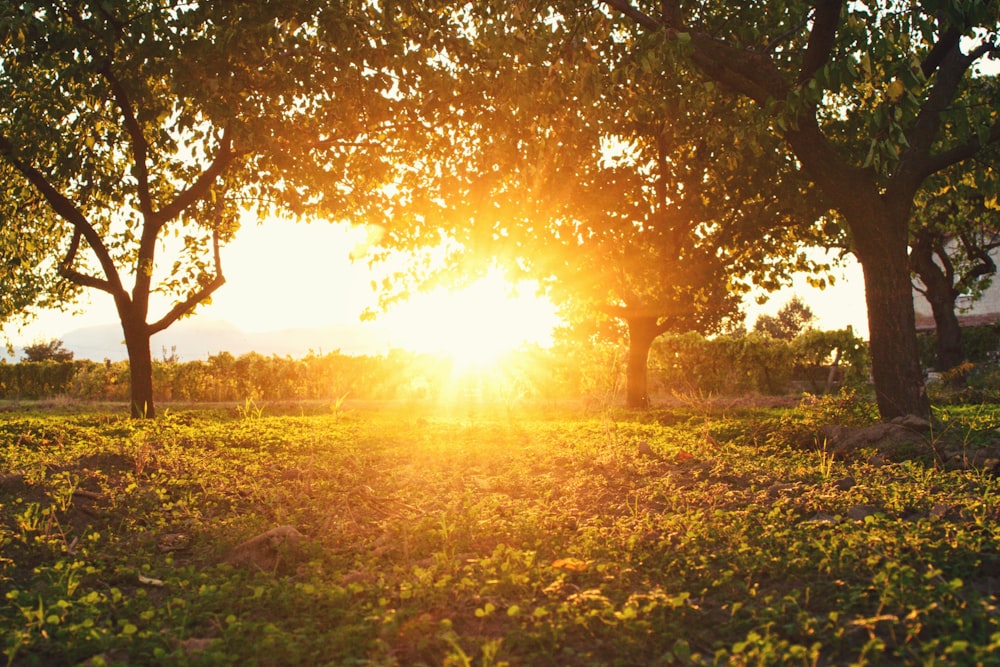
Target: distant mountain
(199,338)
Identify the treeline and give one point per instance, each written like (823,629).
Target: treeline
(815,361)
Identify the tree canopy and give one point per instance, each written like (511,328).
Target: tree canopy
(572,167)
(872,99)
(28,278)
(792,319)
(146,126)
(956,232)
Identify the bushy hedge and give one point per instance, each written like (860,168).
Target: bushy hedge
(757,363)
(727,365)
(979,343)
(36,379)
(225,378)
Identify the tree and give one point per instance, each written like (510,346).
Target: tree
(869,97)
(791,320)
(146,126)
(51,350)
(622,203)
(951,250)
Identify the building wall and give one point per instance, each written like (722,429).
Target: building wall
(985,310)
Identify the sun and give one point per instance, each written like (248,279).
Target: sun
(478,324)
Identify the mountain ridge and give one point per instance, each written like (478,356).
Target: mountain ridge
(192,339)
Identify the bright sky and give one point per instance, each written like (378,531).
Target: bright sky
(283,275)
(835,307)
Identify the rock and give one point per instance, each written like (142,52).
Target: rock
(886,438)
(12,482)
(947,511)
(913,422)
(195,645)
(876,461)
(782,488)
(267,551)
(845,483)
(862,512)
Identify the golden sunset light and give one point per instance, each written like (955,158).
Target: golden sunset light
(499,333)
(477,324)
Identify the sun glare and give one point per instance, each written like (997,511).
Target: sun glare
(475,325)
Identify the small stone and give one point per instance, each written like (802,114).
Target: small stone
(824,519)
(845,483)
(876,460)
(779,488)
(913,422)
(11,481)
(269,550)
(862,512)
(195,645)
(946,511)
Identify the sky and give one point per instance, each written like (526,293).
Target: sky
(283,275)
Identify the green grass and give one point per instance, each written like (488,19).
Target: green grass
(479,537)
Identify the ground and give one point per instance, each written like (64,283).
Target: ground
(722,533)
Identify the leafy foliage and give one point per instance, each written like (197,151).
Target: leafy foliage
(137,126)
(681,364)
(951,252)
(51,350)
(29,247)
(706,539)
(873,99)
(790,321)
(588,165)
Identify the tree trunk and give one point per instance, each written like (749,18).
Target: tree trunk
(950,350)
(642,331)
(831,375)
(899,382)
(940,292)
(140,366)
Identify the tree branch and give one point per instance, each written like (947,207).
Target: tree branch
(745,72)
(66,209)
(65,268)
(200,187)
(822,38)
(984,266)
(935,163)
(641,18)
(186,306)
(949,40)
(950,65)
(773,44)
(670,13)
(140,147)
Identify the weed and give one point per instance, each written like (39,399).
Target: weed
(250,411)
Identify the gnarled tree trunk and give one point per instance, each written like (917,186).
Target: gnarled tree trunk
(950,351)
(642,331)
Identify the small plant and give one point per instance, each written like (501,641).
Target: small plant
(338,403)
(250,411)
(825,461)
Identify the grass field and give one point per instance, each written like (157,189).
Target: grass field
(479,536)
